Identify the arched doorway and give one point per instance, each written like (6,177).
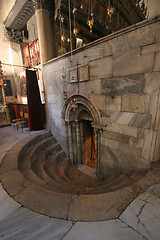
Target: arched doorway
(88,144)
(83,133)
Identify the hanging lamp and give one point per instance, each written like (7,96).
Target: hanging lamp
(74,104)
(62,29)
(90,20)
(110,10)
(75,29)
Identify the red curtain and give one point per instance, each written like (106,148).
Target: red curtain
(35,118)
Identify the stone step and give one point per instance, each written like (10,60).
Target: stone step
(38,168)
(45,164)
(33,141)
(39,162)
(33,151)
(78,177)
(106,186)
(53,149)
(41,147)
(50,170)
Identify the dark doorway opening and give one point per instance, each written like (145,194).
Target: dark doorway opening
(88,144)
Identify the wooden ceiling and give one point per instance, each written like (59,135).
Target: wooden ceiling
(126,14)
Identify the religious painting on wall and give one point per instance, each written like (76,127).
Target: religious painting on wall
(32,54)
(26,52)
(73,75)
(7,87)
(83,73)
(22,80)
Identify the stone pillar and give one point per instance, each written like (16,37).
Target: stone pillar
(81,142)
(70,142)
(98,136)
(44,30)
(74,143)
(67,138)
(78,142)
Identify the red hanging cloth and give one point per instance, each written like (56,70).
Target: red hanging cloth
(35,117)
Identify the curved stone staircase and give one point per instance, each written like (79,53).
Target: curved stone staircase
(37,173)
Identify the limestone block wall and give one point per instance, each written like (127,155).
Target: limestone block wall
(124,84)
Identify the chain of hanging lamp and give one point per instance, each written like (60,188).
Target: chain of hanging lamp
(110,10)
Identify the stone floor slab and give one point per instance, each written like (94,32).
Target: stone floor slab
(25,224)
(7,204)
(107,230)
(43,201)
(143,214)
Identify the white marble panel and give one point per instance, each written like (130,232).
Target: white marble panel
(151,48)
(112,127)
(157,148)
(152,83)
(135,103)
(153,108)
(130,40)
(111,230)
(113,103)
(143,214)
(147,144)
(132,62)
(99,101)
(25,224)
(154,138)
(105,67)
(7,204)
(127,130)
(131,119)
(93,70)
(157,62)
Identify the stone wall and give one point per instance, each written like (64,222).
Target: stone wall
(10,53)
(124,84)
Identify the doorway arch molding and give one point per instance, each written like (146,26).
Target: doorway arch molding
(88,105)
(74,129)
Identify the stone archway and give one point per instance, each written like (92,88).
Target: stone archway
(83,133)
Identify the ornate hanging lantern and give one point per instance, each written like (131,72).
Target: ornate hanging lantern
(137,3)
(65,97)
(63,37)
(110,10)
(74,104)
(75,31)
(90,20)
(90,23)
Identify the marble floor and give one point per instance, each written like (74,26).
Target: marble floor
(140,220)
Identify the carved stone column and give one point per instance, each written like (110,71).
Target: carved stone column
(70,142)
(74,142)
(98,136)
(81,142)
(78,143)
(67,138)
(44,29)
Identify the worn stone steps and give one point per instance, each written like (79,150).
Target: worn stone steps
(46,165)
(37,173)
